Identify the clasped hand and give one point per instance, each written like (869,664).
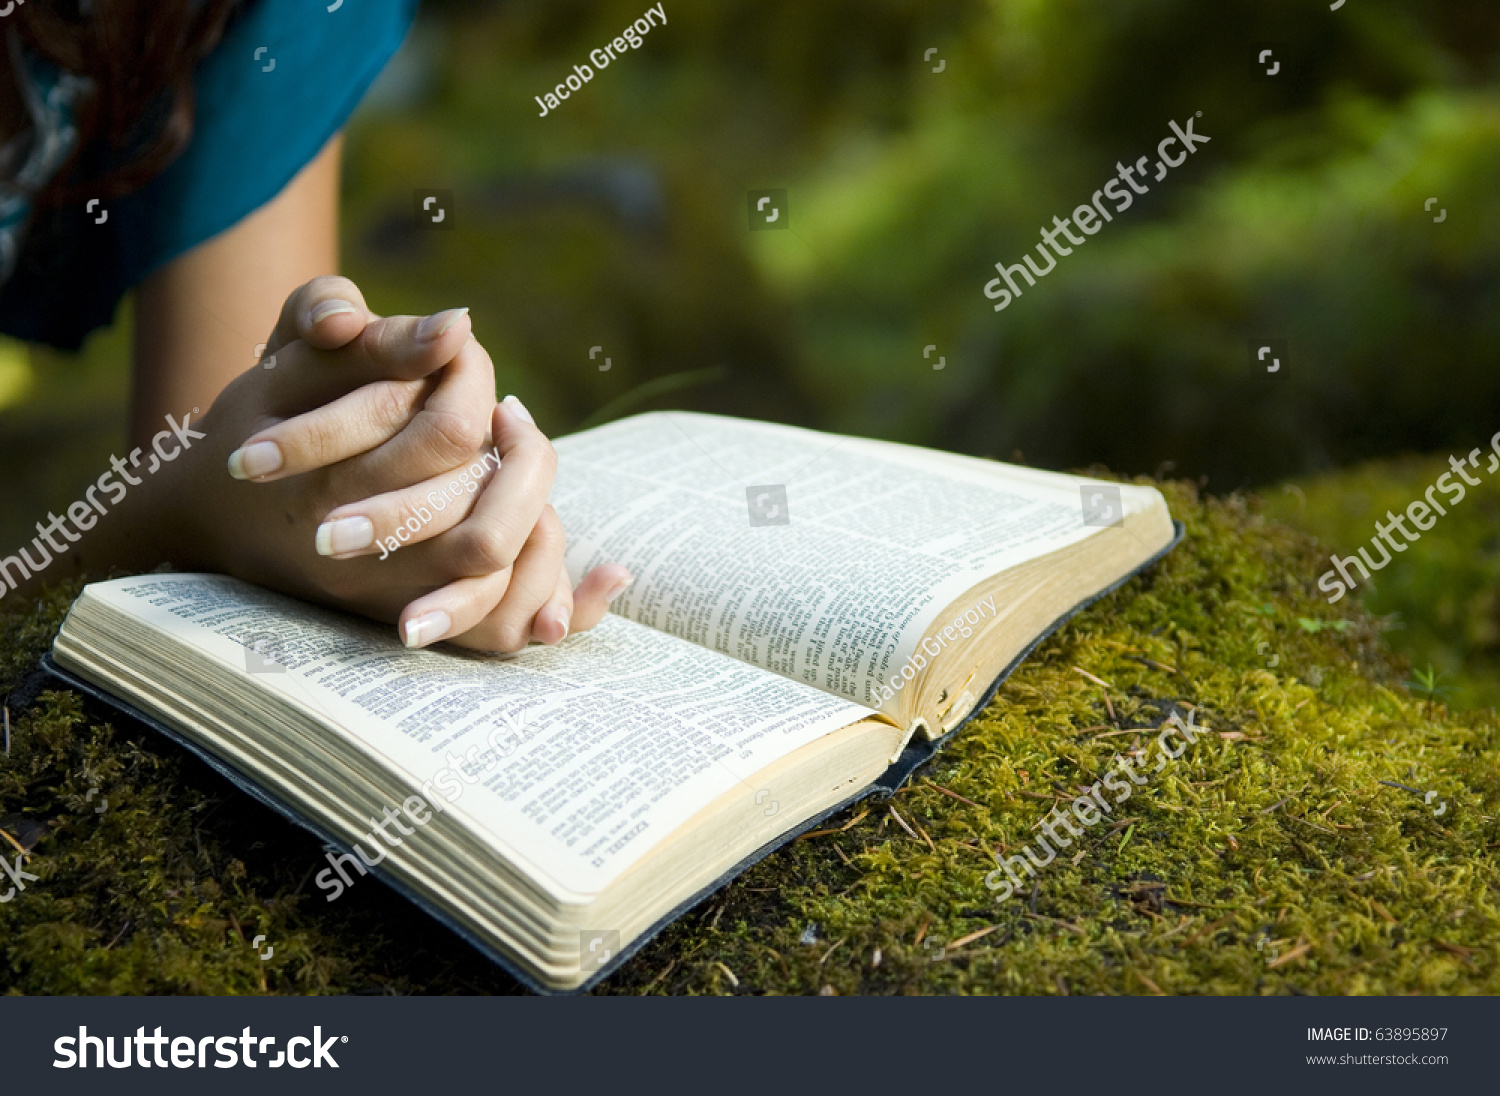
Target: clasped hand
(330,451)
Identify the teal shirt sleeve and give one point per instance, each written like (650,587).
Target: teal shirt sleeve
(283,80)
(256,128)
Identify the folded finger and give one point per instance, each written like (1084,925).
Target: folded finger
(326,313)
(492,612)
(411,429)
(551,623)
(533,582)
(390,348)
(507,511)
(451,426)
(592,597)
(388,522)
(451,611)
(354,423)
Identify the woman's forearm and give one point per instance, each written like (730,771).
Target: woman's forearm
(128,518)
(198,321)
(200,318)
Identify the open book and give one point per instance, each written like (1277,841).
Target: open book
(808,612)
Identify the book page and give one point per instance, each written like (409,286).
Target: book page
(821,558)
(574,759)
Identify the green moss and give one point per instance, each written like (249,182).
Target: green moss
(1269,859)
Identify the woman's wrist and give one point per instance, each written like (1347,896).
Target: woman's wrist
(159,516)
(178,522)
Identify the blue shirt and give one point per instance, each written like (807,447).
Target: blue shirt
(282,81)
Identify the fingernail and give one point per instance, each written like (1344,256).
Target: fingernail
(618,589)
(427,628)
(253,461)
(564,616)
(334,538)
(519,408)
(323,309)
(439,323)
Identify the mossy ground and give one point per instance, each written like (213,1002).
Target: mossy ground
(1269,859)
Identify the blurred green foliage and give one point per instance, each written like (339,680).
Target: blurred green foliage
(620,220)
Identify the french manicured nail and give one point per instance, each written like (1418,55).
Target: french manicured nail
(439,323)
(254,461)
(323,309)
(427,628)
(519,408)
(565,617)
(618,589)
(334,538)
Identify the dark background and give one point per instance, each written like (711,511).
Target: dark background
(621,220)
